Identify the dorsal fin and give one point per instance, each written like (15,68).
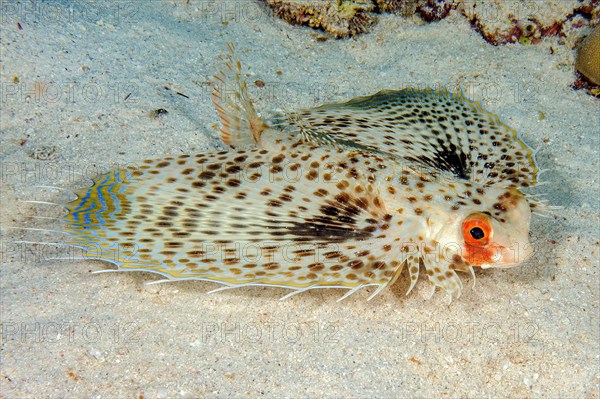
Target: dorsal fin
(434,128)
(241,125)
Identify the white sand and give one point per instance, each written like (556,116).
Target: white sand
(531,331)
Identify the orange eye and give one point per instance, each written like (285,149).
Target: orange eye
(477,230)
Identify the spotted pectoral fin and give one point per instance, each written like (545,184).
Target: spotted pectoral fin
(299,220)
(433,128)
(441,272)
(240,124)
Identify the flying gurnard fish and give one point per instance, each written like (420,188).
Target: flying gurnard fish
(344,195)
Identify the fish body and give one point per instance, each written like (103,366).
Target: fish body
(341,196)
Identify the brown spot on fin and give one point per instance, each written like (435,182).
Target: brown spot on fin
(240,218)
(241,125)
(433,128)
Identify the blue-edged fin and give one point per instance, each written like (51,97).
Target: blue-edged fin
(297,219)
(434,128)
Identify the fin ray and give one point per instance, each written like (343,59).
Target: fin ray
(241,125)
(433,128)
(200,217)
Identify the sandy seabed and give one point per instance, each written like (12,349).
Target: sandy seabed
(79,82)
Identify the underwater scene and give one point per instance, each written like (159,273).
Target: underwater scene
(300,198)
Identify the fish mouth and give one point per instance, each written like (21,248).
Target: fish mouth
(510,256)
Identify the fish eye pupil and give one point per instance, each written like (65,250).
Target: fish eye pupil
(477,233)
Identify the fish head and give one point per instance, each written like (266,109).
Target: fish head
(494,236)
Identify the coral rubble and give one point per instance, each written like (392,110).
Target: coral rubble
(341,18)
(499,22)
(405,8)
(522,21)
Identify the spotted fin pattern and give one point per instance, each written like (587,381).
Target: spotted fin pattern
(240,124)
(342,196)
(432,128)
(295,219)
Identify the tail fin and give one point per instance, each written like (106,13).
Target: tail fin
(34,230)
(241,125)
